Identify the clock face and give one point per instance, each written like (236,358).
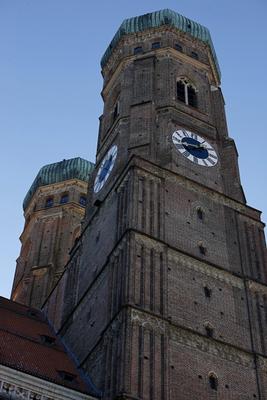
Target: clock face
(105,168)
(194,148)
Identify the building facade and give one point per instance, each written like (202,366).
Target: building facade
(164,294)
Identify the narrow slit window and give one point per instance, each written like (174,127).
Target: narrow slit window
(200,214)
(116,111)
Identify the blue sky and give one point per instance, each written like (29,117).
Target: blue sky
(50,83)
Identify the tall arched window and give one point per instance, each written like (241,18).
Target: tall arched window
(213,381)
(186,92)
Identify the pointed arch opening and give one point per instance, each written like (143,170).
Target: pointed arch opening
(186,92)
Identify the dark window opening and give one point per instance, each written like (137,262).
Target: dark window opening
(192,96)
(67,376)
(186,93)
(48,339)
(209,331)
(181,91)
(49,202)
(194,55)
(202,249)
(32,313)
(155,45)
(64,199)
(138,50)
(200,214)
(207,291)
(178,47)
(116,111)
(213,381)
(82,201)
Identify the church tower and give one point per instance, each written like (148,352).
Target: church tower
(164,296)
(54,208)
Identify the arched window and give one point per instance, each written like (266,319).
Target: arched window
(49,202)
(207,291)
(202,249)
(82,200)
(213,381)
(186,92)
(138,50)
(178,47)
(200,213)
(209,330)
(194,55)
(64,198)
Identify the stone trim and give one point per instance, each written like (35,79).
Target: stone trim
(18,385)
(192,340)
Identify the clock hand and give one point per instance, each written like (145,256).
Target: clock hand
(196,146)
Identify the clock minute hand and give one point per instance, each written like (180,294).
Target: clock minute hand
(196,146)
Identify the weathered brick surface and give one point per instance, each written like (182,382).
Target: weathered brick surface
(47,238)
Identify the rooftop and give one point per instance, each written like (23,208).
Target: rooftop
(28,344)
(74,168)
(157,19)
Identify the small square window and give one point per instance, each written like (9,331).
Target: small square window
(194,55)
(138,50)
(155,45)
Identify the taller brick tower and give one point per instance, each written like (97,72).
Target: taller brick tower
(167,285)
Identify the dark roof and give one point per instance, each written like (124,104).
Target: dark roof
(28,344)
(74,168)
(157,19)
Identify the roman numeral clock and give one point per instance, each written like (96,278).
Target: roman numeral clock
(194,148)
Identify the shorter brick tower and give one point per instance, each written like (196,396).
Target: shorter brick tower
(53,208)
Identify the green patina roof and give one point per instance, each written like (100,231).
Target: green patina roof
(155,20)
(75,168)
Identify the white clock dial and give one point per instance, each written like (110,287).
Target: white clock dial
(194,148)
(105,168)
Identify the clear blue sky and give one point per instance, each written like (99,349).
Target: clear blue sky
(50,85)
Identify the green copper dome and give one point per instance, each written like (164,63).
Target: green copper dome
(155,20)
(75,168)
